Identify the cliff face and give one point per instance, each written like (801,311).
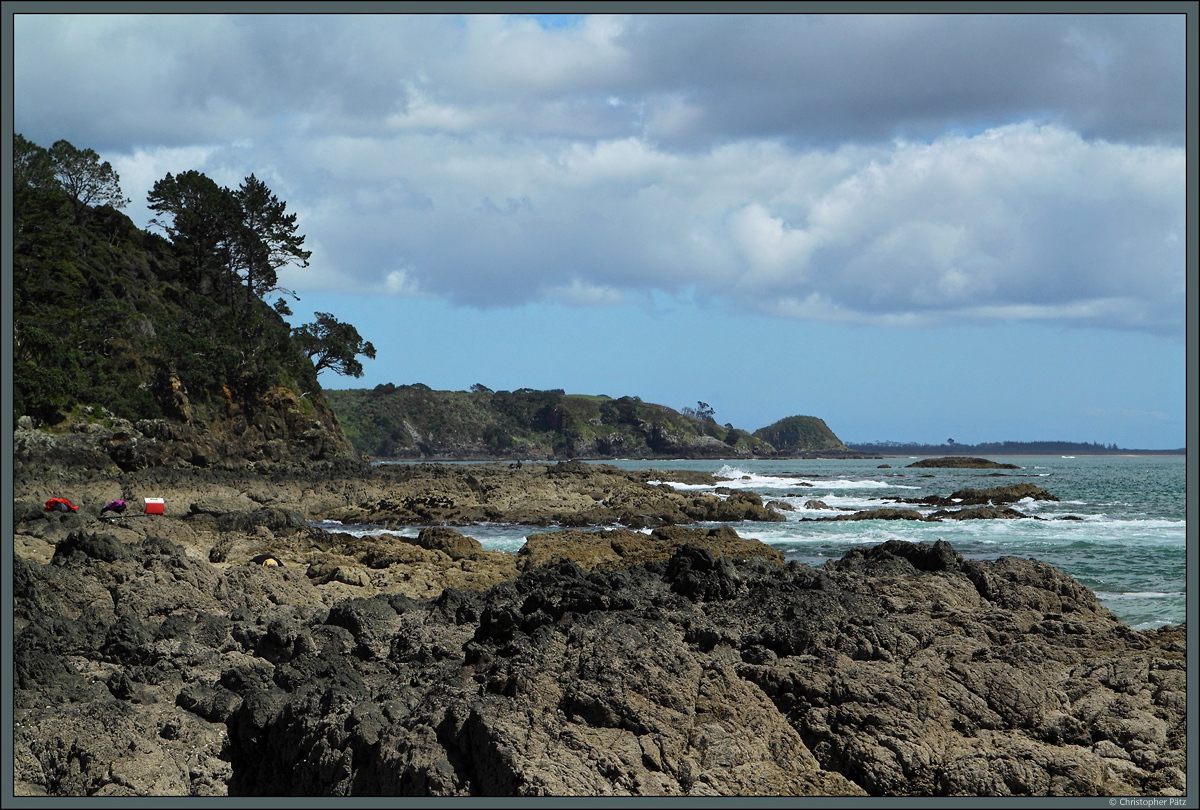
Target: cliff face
(281,429)
(413,421)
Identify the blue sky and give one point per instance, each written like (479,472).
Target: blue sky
(916,227)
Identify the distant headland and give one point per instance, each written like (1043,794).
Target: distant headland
(401,422)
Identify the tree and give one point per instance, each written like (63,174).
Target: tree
(32,167)
(266,239)
(703,411)
(85,179)
(238,237)
(40,209)
(331,344)
(198,216)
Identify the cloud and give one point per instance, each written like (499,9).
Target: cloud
(1018,222)
(581,293)
(831,78)
(890,169)
(688,80)
(400,282)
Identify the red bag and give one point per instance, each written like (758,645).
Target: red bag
(60,505)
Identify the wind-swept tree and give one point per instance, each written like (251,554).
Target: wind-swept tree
(238,237)
(703,411)
(267,238)
(331,344)
(85,179)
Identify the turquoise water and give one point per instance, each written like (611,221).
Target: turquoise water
(1129,544)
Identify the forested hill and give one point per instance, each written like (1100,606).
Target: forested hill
(414,421)
(160,340)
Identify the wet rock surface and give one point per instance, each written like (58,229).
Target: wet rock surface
(232,647)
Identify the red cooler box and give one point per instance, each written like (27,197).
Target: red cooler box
(154,506)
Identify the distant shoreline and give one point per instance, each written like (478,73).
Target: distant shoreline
(860,457)
(966,450)
(1155,453)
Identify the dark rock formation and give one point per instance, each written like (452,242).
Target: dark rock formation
(980,497)
(621,548)
(453,543)
(962,461)
(143,669)
(164,655)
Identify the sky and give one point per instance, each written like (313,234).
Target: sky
(917,227)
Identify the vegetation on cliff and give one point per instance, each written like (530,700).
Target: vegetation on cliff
(110,318)
(414,421)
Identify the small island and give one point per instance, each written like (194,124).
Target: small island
(964,462)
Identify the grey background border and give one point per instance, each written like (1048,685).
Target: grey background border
(1190,9)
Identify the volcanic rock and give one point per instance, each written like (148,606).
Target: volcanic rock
(157,655)
(621,548)
(901,669)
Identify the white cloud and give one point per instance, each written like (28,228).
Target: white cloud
(771,247)
(515,54)
(421,114)
(401,282)
(1023,220)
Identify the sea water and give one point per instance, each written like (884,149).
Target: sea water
(1119,525)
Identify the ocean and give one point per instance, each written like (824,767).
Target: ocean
(1129,544)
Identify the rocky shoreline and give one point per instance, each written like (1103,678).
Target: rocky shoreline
(231,647)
